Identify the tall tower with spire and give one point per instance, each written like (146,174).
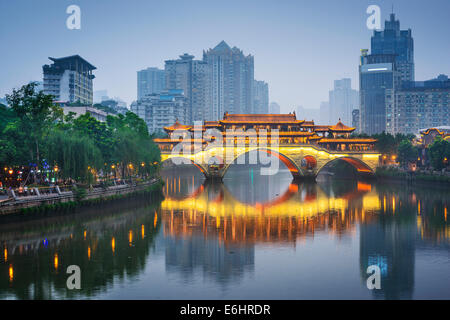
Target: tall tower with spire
(397,42)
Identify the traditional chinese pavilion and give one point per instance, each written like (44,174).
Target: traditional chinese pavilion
(285,128)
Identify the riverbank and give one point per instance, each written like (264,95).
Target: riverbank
(62,200)
(418,177)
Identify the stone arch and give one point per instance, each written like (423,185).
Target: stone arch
(288,162)
(199,166)
(358,164)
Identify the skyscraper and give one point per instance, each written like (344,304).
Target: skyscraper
(150,81)
(261,97)
(398,42)
(343,99)
(378,79)
(232,76)
(193,77)
(381,72)
(69,79)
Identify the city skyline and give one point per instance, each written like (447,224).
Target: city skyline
(297,74)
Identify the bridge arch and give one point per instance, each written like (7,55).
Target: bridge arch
(187,160)
(358,164)
(287,161)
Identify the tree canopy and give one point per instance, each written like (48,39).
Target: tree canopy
(35,132)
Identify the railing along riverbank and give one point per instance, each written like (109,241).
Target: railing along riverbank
(22,198)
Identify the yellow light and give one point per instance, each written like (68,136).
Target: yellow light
(143,164)
(155,220)
(142,231)
(56,261)
(113,167)
(130,237)
(130,166)
(445,214)
(5,254)
(11,171)
(394,157)
(84,234)
(89,253)
(56,169)
(11,273)
(113,244)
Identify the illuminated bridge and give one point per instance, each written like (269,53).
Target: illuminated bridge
(305,148)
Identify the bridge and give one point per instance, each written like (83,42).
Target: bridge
(303,147)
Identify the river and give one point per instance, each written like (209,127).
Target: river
(250,237)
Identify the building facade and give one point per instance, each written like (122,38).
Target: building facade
(378,80)
(398,42)
(150,81)
(162,110)
(343,100)
(381,73)
(419,105)
(69,79)
(261,97)
(232,76)
(191,76)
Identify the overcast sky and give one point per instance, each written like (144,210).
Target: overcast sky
(300,47)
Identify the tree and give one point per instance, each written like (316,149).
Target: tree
(439,150)
(386,143)
(406,152)
(36,114)
(76,155)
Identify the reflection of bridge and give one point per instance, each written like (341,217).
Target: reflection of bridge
(305,148)
(301,210)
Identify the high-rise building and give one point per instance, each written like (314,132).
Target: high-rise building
(232,75)
(162,110)
(355,120)
(261,97)
(398,42)
(274,108)
(192,76)
(380,74)
(69,79)
(343,100)
(419,105)
(378,79)
(150,81)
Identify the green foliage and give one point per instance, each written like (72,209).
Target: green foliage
(406,152)
(36,115)
(34,128)
(74,154)
(438,151)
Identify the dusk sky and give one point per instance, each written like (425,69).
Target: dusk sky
(300,47)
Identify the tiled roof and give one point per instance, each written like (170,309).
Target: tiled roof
(341,127)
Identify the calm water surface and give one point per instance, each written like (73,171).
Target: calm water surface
(252,237)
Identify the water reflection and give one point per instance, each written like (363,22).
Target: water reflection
(250,237)
(278,213)
(37,253)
